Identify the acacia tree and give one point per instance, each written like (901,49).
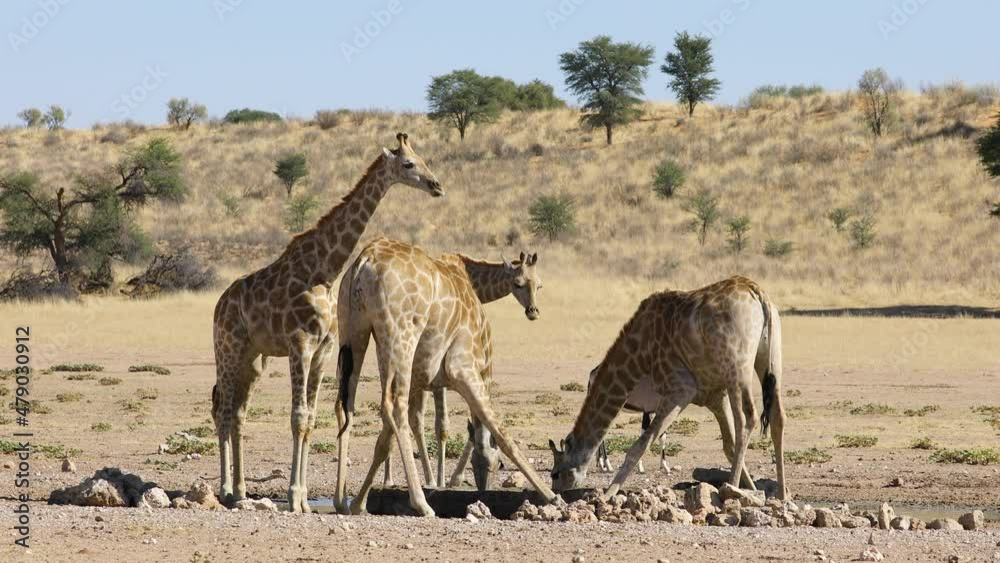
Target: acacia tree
(32,117)
(988,147)
(91,223)
(463,97)
(181,112)
(55,118)
(691,67)
(607,77)
(878,94)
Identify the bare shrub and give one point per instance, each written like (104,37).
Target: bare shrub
(168,273)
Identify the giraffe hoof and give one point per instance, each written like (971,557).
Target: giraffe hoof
(424,510)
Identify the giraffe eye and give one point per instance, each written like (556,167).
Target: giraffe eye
(407,165)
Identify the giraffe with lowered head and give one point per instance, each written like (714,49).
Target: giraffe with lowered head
(426,315)
(697,347)
(287,309)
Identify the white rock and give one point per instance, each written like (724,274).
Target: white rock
(154,498)
(264,505)
(515,480)
(871,553)
(472,519)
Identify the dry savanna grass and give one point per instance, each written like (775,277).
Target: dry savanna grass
(785,164)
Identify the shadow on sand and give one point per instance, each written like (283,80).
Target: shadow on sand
(912,311)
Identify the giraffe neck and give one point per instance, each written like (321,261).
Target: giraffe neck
(490,280)
(337,234)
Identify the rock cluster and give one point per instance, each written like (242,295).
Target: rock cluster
(110,487)
(728,506)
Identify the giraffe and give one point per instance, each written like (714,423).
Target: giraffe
(644,399)
(491,281)
(287,309)
(424,315)
(697,347)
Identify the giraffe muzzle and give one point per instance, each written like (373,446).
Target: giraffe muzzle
(532,313)
(435,188)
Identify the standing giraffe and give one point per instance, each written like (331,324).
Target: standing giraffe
(424,314)
(697,347)
(287,309)
(491,281)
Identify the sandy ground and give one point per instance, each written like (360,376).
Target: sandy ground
(832,365)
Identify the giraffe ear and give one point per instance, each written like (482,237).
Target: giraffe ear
(506,263)
(388,153)
(524,258)
(533,259)
(552,446)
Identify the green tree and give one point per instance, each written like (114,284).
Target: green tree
(32,117)
(607,77)
(668,177)
(878,96)
(299,212)
(247,115)
(738,228)
(705,208)
(691,68)
(56,117)
(290,169)
(988,147)
(181,112)
(91,223)
(536,95)
(551,216)
(463,97)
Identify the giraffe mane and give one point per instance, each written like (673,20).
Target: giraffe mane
(336,208)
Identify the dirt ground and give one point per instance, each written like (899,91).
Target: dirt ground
(832,366)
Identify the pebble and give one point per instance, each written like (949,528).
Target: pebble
(472,519)
(68,466)
(871,554)
(8,465)
(408,546)
(372,543)
(149,541)
(579,559)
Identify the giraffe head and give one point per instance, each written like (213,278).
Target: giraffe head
(405,167)
(569,465)
(485,458)
(525,281)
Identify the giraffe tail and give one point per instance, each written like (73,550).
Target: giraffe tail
(345,367)
(770,382)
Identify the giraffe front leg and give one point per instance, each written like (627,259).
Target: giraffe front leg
(472,391)
(222,414)
(441,431)
(670,406)
(458,476)
(297,496)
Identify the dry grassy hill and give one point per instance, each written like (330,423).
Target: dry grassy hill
(784,165)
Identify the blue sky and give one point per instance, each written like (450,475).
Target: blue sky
(119,59)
